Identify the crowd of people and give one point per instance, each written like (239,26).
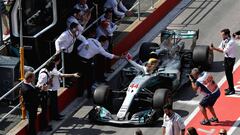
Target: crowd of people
(93,53)
(87,52)
(90,53)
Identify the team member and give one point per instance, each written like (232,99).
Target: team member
(44,84)
(106,28)
(86,54)
(30,100)
(66,43)
(205,84)
(228,48)
(56,77)
(67,39)
(85,12)
(172,122)
(75,17)
(118,8)
(149,68)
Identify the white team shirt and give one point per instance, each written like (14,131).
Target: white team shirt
(55,79)
(173,125)
(72,19)
(114,4)
(66,41)
(229,47)
(93,48)
(43,77)
(107,31)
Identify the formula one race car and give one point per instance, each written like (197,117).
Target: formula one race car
(142,100)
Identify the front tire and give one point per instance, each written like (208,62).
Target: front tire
(161,97)
(102,95)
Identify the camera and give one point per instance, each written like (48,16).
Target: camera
(189,75)
(192,78)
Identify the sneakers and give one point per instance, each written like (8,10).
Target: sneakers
(205,122)
(213,119)
(229,92)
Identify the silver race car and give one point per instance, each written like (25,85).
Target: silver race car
(142,100)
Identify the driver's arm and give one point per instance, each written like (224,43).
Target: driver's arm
(138,66)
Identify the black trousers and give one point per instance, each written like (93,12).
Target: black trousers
(100,68)
(87,74)
(68,63)
(228,65)
(53,104)
(44,106)
(32,114)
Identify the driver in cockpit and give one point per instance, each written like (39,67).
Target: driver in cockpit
(149,67)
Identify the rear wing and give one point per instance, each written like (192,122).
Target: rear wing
(180,34)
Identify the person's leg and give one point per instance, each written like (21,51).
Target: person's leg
(43,116)
(81,81)
(231,65)
(53,105)
(202,105)
(212,100)
(99,68)
(32,113)
(228,66)
(204,112)
(212,111)
(90,79)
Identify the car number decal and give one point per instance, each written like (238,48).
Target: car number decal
(133,86)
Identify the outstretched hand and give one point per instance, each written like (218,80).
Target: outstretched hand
(76,75)
(128,56)
(129,13)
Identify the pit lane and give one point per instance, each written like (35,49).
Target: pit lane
(210,18)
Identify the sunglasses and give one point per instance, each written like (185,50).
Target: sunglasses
(222,133)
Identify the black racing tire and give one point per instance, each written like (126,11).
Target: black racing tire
(161,97)
(202,56)
(145,50)
(102,95)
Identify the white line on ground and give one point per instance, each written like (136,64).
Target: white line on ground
(191,116)
(187,102)
(234,127)
(208,132)
(236,95)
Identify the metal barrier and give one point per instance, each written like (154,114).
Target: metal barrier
(62,69)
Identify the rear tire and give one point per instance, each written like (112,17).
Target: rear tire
(202,57)
(145,50)
(102,95)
